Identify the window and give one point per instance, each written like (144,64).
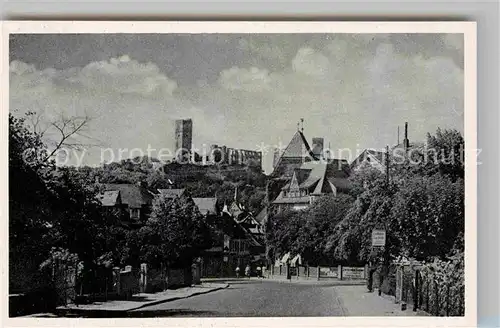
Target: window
(238,246)
(134,213)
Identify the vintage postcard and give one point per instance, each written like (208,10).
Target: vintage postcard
(235,173)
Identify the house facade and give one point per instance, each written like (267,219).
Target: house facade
(132,201)
(301,174)
(241,239)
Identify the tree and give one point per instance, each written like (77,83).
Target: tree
(429,212)
(49,206)
(322,219)
(442,153)
(175,234)
(30,213)
(281,232)
(61,131)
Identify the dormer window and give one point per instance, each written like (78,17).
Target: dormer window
(134,213)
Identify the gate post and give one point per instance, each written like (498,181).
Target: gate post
(417,291)
(116,277)
(144,278)
(399,284)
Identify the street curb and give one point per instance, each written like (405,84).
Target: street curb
(152,303)
(176,298)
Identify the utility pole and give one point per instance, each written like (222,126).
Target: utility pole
(385,256)
(387,165)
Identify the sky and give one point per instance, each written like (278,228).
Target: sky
(241,90)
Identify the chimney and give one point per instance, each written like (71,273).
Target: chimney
(318,146)
(406,142)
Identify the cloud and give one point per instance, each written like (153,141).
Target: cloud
(350,89)
(126,76)
(348,96)
(310,62)
(133,104)
(248,79)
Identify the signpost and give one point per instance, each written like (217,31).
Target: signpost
(378,238)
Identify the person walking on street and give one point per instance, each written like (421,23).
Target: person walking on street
(237,271)
(247,271)
(259,273)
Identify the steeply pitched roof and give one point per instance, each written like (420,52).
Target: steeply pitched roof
(298,148)
(110,198)
(206,205)
(379,156)
(262,216)
(133,195)
(172,193)
(319,178)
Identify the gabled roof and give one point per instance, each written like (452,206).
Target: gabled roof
(110,198)
(298,147)
(379,156)
(297,152)
(172,193)
(133,195)
(206,206)
(262,216)
(318,177)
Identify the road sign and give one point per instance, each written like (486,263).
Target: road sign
(378,238)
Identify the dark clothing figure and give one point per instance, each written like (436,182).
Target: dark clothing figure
(380,282)
(371,273)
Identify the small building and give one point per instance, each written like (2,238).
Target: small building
(241,238)
(370,158)
(132,201)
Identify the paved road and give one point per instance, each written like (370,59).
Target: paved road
(253,298)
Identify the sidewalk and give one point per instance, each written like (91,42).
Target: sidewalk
(357,301)
(140,301)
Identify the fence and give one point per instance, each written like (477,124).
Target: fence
(153,280)
(318,272)
(433,293)
(439,298)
